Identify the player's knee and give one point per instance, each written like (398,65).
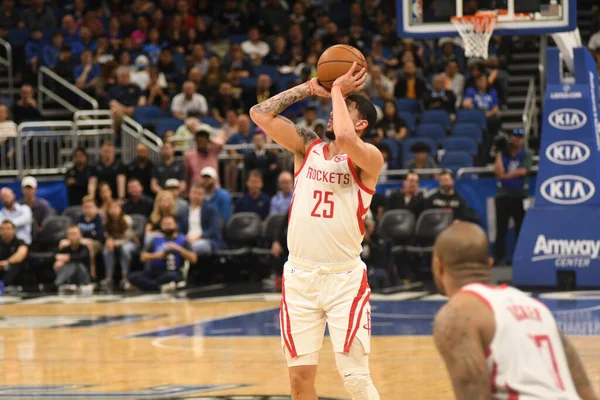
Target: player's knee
(359,385)
(302,378)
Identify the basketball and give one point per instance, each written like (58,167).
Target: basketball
(336,61)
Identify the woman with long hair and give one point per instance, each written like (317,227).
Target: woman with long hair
(121,238)
(391,126)
(164,205)
(105,195)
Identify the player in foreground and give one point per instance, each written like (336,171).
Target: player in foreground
(497,342)
(324,279)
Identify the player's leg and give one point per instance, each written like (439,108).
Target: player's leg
(349,317)
(303,371)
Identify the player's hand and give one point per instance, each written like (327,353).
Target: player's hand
(318,89)
(353,80)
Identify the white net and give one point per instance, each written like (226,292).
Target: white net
(476,32)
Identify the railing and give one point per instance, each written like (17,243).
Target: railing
(132,133)
(93,127)
(9,165)
(45,147)
(7,62)
(487,170)
(530,112)
(58,89)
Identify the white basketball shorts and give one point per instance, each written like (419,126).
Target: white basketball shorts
(312,297)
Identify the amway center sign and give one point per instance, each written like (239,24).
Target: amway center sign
(566,253)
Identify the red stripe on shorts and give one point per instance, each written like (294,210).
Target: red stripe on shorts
(287,332)
(512,393)
(361,292)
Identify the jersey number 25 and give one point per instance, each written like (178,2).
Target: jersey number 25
(324,205)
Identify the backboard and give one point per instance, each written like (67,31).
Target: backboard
(431,18)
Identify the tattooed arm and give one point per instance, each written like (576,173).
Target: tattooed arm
(459,342)
(580,378)
(280,129)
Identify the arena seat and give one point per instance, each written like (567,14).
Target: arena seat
(397,226)
(461,144)
(434,132)
(474,116)
(266,69)
(468,129)
(242,231)
(18,37)
(409,119)
(429,225)
(147,114)
(394,147)
(210,121)
(74,213)
(271,227)
(45,243)
(440,117)
(408,105)
(139,225)
(163,125)
(457,159)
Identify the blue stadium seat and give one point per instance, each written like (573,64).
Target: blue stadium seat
(178,60)
(147,114)
(433,131)
(210,121)
(238,39)
(411,124)
(378,101)
(440,117)
(455,160)
(407,155)
(6,101)
(48,33)
(248,82)
(266,69)
(394,147)
(461,144)
(18,37)
(284,81)
(468,129)
(408,105)
(165,124)
(474,116)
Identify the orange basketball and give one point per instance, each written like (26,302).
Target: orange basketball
(336,61)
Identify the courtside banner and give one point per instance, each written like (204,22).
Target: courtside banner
(562,231)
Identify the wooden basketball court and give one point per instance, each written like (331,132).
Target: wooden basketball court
(154,347)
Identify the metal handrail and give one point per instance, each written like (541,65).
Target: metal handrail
(530,111)
(43,90)
(141,135)
(7,62)
(488,169)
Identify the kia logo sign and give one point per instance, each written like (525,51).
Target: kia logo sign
(567,119)
(567,190)
(567,152)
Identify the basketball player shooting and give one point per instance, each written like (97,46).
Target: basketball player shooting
(324,279)
(496,341)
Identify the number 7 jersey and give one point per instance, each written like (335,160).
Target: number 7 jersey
(326,219)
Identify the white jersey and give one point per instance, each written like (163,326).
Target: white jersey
(326,219)
(526,359)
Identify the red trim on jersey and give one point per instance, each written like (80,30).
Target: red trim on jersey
(493,376)
(360,214)
(478,295)
(306,153)
(512,393)
(287,332)
(488,353)
(351,333)
(291,207)
(357,179)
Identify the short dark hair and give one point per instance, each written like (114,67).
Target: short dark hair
(366,110)
(202,133)
(412,172)
(446,172)
(255,173)
(134,180)
(7,222)
(74,226)
(420,147)
(80,150)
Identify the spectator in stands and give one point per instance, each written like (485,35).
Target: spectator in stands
(140,74)
(272,15)
(13,254)
(25,109)
(86,74)
(174,187)
(124,97)
(65,67)
(391,125)
(167,67)
(169,168)
(189,103)
(511,167)
(225,101)
(33,50)
(40,208)
(254,47)
(448,54)
(243,136)
(279,56)
(254,200)
(153,47)
(91,225)
(447,197)
(264,161)
(263,90)
(309,118)
(9,18)
(422,158)
(70,30)
(141,168)
(51,52)
(108,170)
(410,86)
(214,195)
(20,215)
(86,39)
(120,238)
(409,197)
(155,93)
(199,59)
(280,203)
(201,223)
(76,178)
(378,85)
(137,202)
(485,99)
(204,155)
(232,18)
(39,17)
(105,198)
(164,204)
(238,63)
(214,75)
(438,98)
(165,256)
(72,263)
(454,80)
(497,79)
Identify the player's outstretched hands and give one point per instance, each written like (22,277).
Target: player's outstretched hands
(353,80)
(319,90)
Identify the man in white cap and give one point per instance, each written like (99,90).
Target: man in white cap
(214,195)
(140,75)
(19,215)
(40,208)
(173,186)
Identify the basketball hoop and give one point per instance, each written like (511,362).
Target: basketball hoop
(476,32)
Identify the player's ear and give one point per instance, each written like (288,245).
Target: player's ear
(361,126)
